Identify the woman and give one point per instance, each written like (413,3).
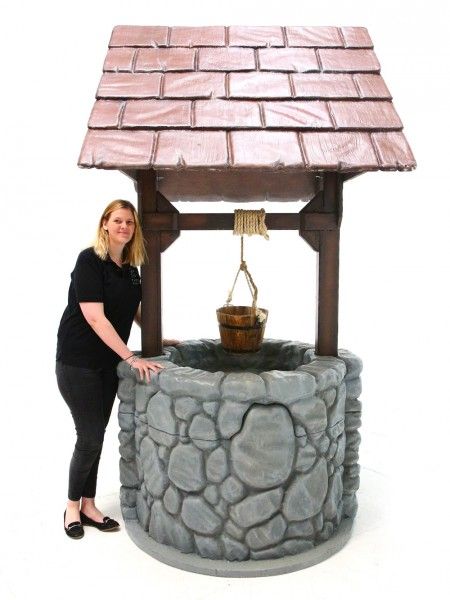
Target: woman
(104,299)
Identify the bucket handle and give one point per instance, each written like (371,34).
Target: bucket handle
(249,279)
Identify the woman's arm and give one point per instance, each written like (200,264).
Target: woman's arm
(94,314)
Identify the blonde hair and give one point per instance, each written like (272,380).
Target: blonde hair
(134,251)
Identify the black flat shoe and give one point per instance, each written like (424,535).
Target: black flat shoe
(107,525)
(74,530)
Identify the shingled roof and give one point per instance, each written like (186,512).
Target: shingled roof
(309,98)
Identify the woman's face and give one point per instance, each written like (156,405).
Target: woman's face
(120,226)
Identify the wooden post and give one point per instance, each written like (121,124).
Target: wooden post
(328,270)
(151,321)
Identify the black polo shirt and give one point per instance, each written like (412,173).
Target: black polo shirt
(97,280)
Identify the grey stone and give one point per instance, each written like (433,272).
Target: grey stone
(243,387)
(232,489)
(129,476)
(286,548)
(140,433)
(334,495)
(311,413)
(183,432)
(129,513)
(330,469)
(234,550)
(352,421)
(163,453)
(208,547)
(191,382)
(161,422)
(125,391)
(222,508)
(305,495)
(142,511)
(305,458)
(288,386)
(257,508)
(318,521)
(199,517)
(326,532)
(321,442)
(155,476)
(353,363)
(335,431)
(229,420)
(266,535)
(187,407)
(172,500)
(337,411)
(217,465)
(232,529)
(302,529)
(126,421)
(211,494)
(325,375)
(127,496)
(329,396)
(352,405)
(331,450)
(211,408)
(143,395)
(340,451)
(350,505)
(354,389)
(202,428)
(186,468)
(167,530)
(126,448)
(269,464)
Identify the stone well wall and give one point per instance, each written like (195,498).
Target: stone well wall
(241,456)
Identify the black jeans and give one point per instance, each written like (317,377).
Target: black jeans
(90,394)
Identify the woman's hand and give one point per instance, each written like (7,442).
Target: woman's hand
(145,367)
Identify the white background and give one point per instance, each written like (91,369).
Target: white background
(393,304)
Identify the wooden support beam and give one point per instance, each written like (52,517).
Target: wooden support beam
(323,209)
(151,322)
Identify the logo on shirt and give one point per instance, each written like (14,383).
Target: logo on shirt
(135,277)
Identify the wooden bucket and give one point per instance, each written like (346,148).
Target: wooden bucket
(240,330)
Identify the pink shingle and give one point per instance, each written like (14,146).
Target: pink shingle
(316,37)
(165,59)
(255,36)
(259,85)
(105,113)
(393,150)
(371,86)
(356,37)
(288,59)
(119,59)
(112,149)
(350,61)
(365,115)
(191,149)
(197,36)
(324,85)
(270,149)
(297,114)
(129,85)
(226,113)
(194,85)
(157,113)
(338,151)
(139,35)
(226,59)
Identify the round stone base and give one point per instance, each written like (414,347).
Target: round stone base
(250,568)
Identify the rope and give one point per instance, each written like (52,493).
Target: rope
(250,222)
